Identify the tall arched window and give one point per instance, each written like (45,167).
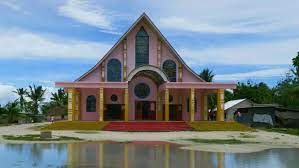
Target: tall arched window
(169,67)
(114,70)
(141,48)
(91,102)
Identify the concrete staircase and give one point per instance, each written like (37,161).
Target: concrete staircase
(147,126)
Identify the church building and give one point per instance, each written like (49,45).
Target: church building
(140,78)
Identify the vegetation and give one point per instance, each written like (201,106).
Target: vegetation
(291,131)
(219,141)
(36,137)
(30,106)
(285,93)
(76,125)
(57,106)
(219,126)
(208,76)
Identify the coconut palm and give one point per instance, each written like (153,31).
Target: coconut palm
(12,112)
(21,92)
(35,94)
(207,75)
(59,98)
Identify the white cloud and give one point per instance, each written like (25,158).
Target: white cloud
(87,12)
(265,53)
(266,73)
(189,25)
(13,5)
(6,93)
(230,16)
(22,44)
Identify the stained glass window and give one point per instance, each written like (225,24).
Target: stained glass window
(142,90)
(169,67)
(141,48)
(114,70)
(91,102)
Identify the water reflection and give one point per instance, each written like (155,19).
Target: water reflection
(135,154)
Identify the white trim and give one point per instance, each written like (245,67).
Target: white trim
(147,68)
(124,36)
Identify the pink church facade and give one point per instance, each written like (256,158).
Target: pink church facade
(142,77)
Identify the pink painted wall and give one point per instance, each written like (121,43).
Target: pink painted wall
(117,53)
(133,98)
(88,116)
(153,44)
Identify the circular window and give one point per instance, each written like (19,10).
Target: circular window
(142,90)
(170,98)
(113,98)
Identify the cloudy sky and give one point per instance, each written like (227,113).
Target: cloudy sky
(58,40)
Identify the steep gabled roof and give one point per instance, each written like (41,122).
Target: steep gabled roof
(160,35)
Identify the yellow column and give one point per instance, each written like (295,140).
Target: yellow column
(101,104)
(220,160)
(166,156)
(192,104)
(166,98)
(70,154)
(158,107)
(77,105)
(220,105)
(101,155)
(71,104)
(126,156)
(192,159)
(126,99)
(204,106)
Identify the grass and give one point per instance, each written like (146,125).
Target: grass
(291,131)
(36,137)
(218,141)
(219,126)
(75,125)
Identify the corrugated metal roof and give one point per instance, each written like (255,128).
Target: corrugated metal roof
(231,103)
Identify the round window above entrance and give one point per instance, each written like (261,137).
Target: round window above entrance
(142,90)
(113,98)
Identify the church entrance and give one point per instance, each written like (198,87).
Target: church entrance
(145,110)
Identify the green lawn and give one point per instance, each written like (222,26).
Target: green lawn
(219,126)
(291,131)
(36,137)
(219,141)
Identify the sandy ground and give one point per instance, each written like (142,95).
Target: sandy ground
(261,140)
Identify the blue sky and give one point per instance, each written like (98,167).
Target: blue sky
(58,40)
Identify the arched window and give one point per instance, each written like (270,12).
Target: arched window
(91,102)
(141,48)
(114,70)
(169,67)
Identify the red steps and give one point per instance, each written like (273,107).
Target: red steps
(147,126)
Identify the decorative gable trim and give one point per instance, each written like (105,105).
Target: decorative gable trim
(163,39)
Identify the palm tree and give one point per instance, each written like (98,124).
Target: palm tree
(207,75)
(21,92)
(36,96)
(12,112)
(59,98)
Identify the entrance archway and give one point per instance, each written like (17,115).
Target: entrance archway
(144,82)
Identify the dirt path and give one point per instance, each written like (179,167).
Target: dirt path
(261,140)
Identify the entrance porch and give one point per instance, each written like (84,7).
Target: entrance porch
(173,101)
